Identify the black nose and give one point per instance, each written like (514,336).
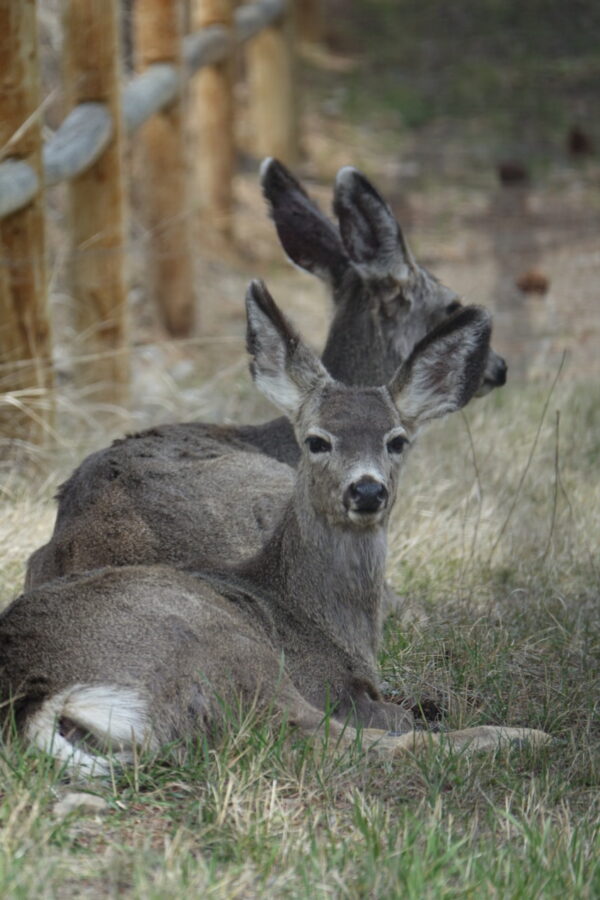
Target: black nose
(366,495)
(501,373)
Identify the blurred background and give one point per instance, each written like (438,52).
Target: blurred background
(478,121)
(484,119)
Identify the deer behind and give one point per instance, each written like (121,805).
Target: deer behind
(132,656)
(164,495)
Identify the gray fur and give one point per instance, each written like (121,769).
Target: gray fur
(295,629)
(161,496)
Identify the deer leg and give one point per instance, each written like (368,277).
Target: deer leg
(481,737)
(311,720)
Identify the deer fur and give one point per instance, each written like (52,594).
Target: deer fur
(178,494)
(127,657)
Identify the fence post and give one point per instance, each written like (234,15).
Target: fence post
(97,226)
(273,97)
(309,20)
(165,199)
(25,348)
(211,92)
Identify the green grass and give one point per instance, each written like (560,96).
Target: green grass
(501,631)
(261,816)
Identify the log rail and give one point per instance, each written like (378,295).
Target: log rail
(88,152)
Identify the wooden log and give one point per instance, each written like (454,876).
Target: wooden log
(97,224)
(273,96)
(252,17)
(158,26)
(26,379)
(309,20)
(78,143)
(19,184)
(211,101)
(88,128)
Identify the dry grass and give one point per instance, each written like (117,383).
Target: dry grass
(494,542)
(508,632)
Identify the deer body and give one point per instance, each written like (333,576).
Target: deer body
(130,656)
(161,497)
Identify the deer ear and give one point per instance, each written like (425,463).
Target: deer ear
(445,369)
(371,235)
(282,366)
(309,239)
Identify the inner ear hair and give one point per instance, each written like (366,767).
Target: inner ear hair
(309,239)
(445,368)
(370,232)
(283,368)
(259,295)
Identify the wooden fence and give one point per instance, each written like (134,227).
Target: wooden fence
(88,152)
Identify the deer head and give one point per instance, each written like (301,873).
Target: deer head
(383,298)
(353,439)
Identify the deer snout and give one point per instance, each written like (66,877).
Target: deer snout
(367,495)
(494,375)
(499,373)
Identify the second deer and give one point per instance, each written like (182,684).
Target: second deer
(128,657)
(165,495)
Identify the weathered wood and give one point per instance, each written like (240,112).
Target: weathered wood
(87,129)
(96,206)
(273,91)
(309,20)
(251,18)
(18,186)
(166,200)
(25,357)
(211,95)
(78,143)
(206,47)
(149,93)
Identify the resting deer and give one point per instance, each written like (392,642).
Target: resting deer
(165,495)
(127,657)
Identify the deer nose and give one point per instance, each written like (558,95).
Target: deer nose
(501,373)
(365,495)
(495,373)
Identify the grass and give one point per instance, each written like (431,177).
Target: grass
(510,636)
(494,542)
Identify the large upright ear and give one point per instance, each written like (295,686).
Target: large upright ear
(282,366)
(445,369)
(309,239)
(370,233)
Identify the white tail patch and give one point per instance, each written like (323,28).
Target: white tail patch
(117,718)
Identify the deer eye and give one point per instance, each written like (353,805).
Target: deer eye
(453,307)
(317,444)
(397,444)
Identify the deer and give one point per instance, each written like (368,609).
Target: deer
(95,667)
(163,495)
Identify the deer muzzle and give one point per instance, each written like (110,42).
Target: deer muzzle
(366,496)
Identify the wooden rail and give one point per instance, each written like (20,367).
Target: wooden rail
(87,152)
(87,129)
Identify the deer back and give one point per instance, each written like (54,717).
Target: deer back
(132,655)
(160,496)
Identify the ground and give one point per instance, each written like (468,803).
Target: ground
(495,534)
